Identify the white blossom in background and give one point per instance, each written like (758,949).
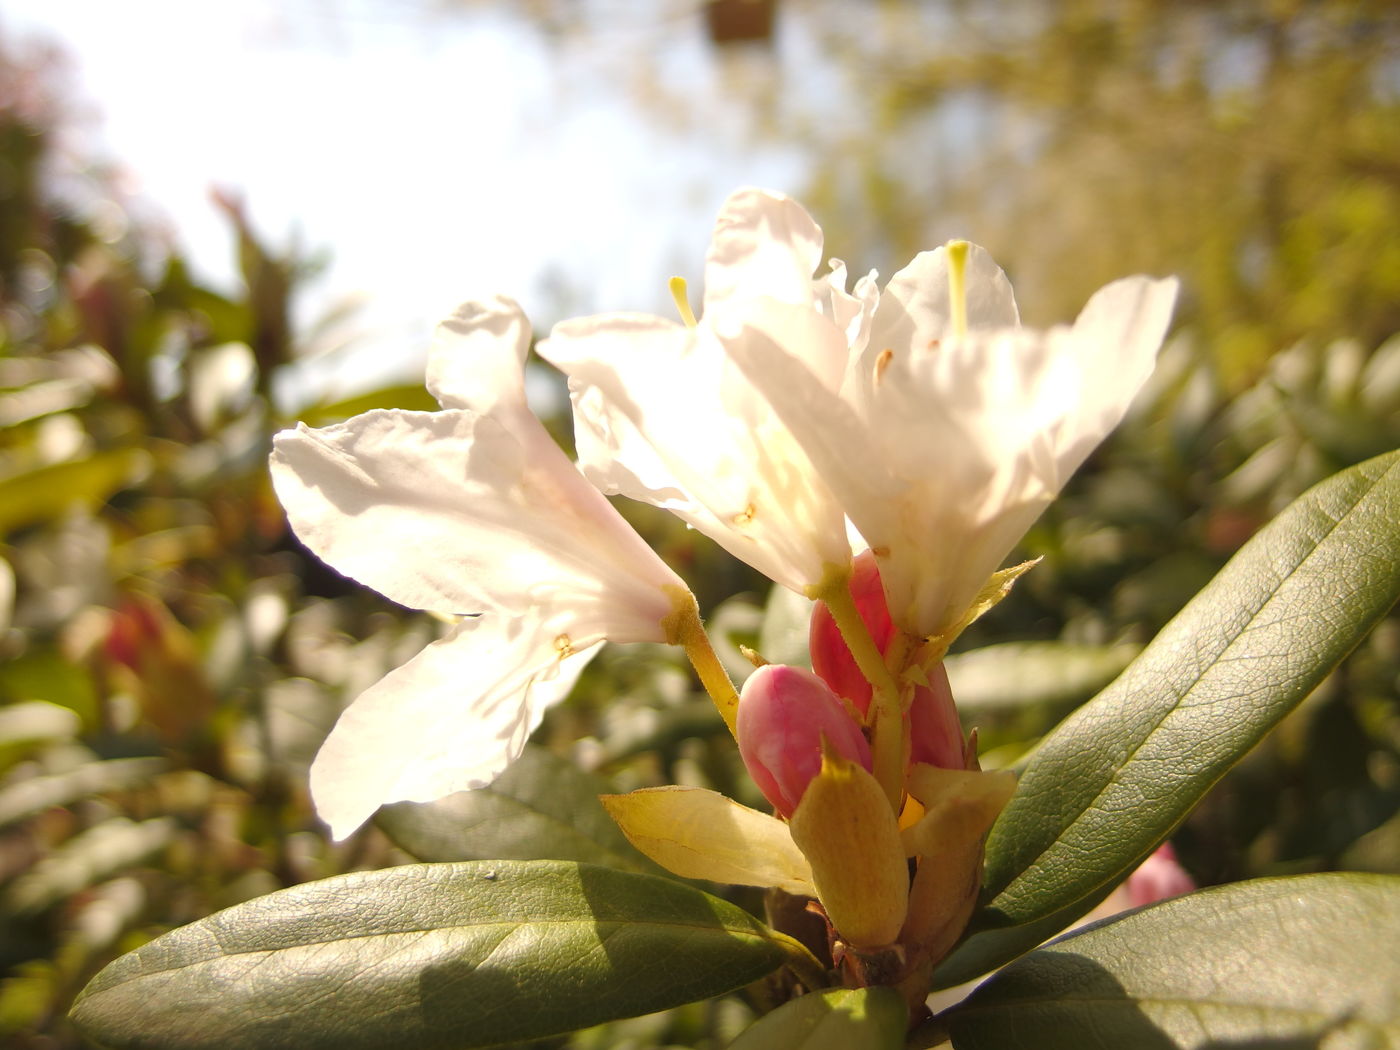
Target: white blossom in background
(662,415)
(954,427)
(473,513)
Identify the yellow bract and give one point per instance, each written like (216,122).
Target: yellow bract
(700,834)
(850,837)
(961,807)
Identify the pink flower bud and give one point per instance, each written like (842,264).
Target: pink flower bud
(1158,878)
(830,657)
(784,714)
(935,733)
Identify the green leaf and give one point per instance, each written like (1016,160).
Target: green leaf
(85,860)
(36,721)
(25,798)
(542,807)
(836,1019)
(51,491)
(783,637)
(1114,778)
(412,396)
(1299,962)
(1002,680)
(430,956)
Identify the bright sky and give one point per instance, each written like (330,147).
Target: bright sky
(433,155)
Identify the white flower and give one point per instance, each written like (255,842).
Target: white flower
(950,434)
(471,510)
(662,415)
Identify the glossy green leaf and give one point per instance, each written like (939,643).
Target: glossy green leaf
(836,1019)
(1111,781)
(1308,961)
(430,956)
(542,807)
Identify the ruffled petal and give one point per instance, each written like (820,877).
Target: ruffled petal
(452,512)
(914,310)
(477,357)
(764,244)
(1115,341)
(662,416)
(450,719)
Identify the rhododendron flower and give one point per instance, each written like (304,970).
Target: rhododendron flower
(954,427)
(663,416)
(475,514)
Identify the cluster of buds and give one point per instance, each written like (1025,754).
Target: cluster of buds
(896,868)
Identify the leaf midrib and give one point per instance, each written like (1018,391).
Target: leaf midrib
(507,925)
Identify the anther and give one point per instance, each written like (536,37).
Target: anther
(882,362)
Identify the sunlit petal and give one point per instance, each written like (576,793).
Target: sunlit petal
(451,718)
(663,416)
(764,244)
(450,511)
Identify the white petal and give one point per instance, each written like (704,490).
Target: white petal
(945,450)
(662,416)
(452,512)
(763,244)
(1116,338)
(450,719)
(477,358)
(914,308)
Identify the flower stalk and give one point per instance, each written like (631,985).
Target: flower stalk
(888,746)
(683,628)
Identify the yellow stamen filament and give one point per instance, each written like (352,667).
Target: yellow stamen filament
(744,516)
(683,628)
(564,646)
(957,286)
(682,298)
(752,656)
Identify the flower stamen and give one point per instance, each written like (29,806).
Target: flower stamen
(745,516)
(957,286)
(564,646)
(682,298)
(882,363)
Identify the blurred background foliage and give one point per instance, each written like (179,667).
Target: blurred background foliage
(170,659)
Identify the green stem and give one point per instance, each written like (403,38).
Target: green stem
(886,715)
(800,960)
(683,628)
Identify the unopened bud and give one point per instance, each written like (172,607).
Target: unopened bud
(935,733)
(1158,878)
(784,715)
(831,659)
(848,834)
